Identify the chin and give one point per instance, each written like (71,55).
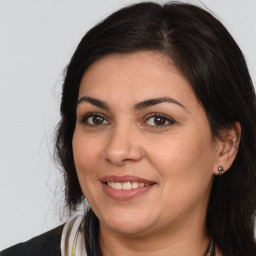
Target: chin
(127,229)
(126,223)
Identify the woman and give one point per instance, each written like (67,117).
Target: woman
(158,134)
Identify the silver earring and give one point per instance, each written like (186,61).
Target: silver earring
(220,170)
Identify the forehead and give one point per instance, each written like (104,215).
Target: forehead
(140,74)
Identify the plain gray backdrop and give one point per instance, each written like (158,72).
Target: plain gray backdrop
(37,39)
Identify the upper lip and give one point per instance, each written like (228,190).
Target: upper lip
(125,178)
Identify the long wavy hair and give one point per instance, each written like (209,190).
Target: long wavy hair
(207,55)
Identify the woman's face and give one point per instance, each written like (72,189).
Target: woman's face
(142,145)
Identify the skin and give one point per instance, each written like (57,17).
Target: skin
(180,156)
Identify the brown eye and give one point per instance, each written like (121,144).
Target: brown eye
(94,120)
(97,120)
(159,120)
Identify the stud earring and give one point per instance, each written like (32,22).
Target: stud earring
(220,170)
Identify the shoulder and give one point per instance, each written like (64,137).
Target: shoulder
(42,245)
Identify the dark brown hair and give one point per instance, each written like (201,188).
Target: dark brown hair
(207,55)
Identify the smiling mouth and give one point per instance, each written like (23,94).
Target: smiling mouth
(126,185)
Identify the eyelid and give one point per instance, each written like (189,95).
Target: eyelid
(85,117)
(166,117)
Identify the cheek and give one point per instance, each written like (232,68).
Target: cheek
(184,162)
(186,176)
(183,153)
(85,156)
(86,153)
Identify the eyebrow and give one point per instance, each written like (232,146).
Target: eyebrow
(138,106)
(152,102)
(93,101)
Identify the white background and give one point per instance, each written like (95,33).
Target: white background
(37,39)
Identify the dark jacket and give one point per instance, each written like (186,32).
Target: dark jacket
(47,244)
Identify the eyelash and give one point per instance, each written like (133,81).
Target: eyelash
(84,119)
(164,117)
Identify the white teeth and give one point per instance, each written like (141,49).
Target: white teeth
(135,184)
(126,185)
(117,185)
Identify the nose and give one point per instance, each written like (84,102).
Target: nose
(123,146)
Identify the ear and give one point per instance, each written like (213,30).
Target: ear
(227,147)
